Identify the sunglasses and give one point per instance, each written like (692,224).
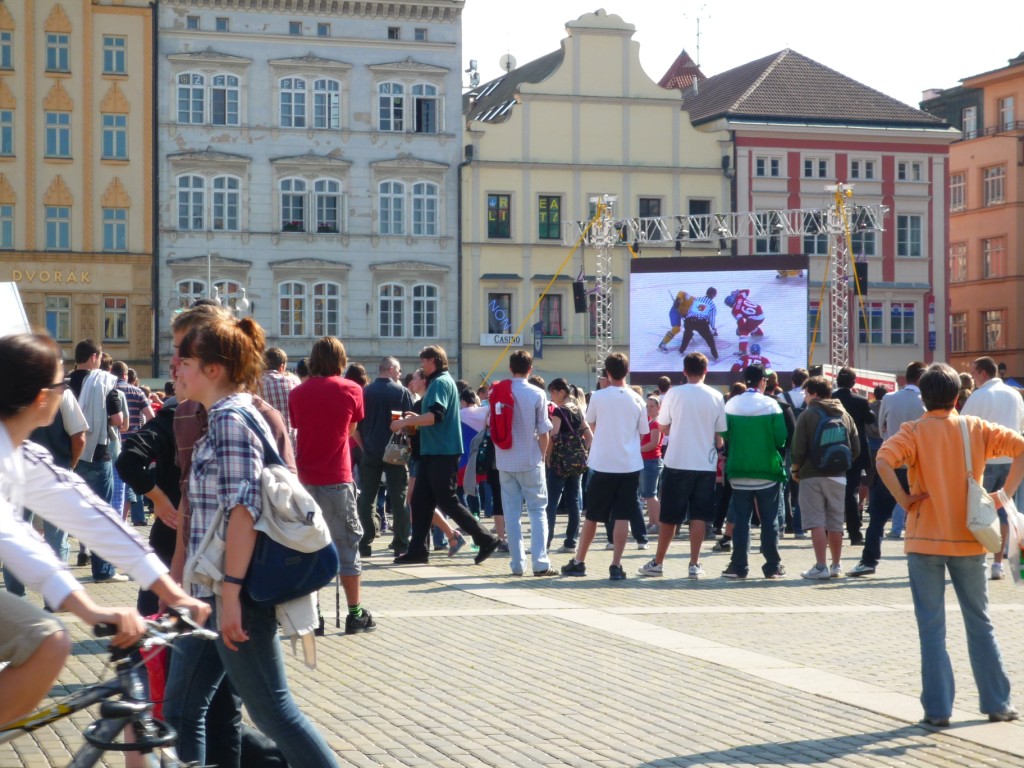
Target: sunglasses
(60,386)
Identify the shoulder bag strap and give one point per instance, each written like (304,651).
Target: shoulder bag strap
(967,444)
(270,454)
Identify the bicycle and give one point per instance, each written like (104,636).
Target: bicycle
(124,703)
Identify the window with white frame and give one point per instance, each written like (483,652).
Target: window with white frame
(58,134)
(191,202)
(189,292)
(226,203)
(295,28)
(768,166)
(115,137)
(424,311)
(291,302)
(57,52)
(58,227)
(815,234)
(191,98)
(424,208)
(6,131)
(1007,116)
(908,235)
(957,262)
(293,102)
(869,322)
(6,226)
(114,55)
(212,99)
(992,321)
(419,34)
(391,310)
(425,107)
(550,310)
(958,332)
(224,100)
(994,185)
(326,103)
(863,242)
(58,317)
(862,169)
(326,309)
(969,122)
(902,326)
(391,196)
(222,24)
(328,205)
(768,238)
(391,106)
(6,57)
(293,205)
(907,170)
(115,318)
(993,257)
(115,229)
(815,168)
(957,191)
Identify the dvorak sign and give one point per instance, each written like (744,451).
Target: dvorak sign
(68,276)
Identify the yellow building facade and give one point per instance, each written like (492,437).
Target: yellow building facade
(543,141)
(76,170)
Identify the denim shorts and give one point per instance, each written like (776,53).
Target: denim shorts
(687,494)
(649,478)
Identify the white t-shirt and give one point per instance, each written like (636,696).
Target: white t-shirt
(696,412)
(619,417)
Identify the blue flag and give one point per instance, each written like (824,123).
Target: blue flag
(538,341)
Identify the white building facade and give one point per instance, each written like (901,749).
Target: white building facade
(307,170)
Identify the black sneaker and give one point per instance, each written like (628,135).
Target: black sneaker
(722,545)
(486,550)
(362,623)
(365,551)
(615,573)
(732,572)
(410,559)
(83,559)
(574,568)
(776,573)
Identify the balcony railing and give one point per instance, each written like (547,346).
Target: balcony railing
(992,130)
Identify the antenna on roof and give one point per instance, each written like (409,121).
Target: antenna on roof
(700,14)
(507,62)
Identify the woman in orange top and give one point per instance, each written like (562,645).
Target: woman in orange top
(938,540)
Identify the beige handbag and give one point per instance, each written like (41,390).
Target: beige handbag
(982,517)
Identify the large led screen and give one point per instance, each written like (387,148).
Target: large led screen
(736,310)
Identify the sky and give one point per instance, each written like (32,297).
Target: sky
(897,47)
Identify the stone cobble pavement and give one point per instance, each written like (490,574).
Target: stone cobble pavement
(472,667)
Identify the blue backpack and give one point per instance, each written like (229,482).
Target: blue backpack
(831,452)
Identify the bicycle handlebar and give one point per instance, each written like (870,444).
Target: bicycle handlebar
(163,630)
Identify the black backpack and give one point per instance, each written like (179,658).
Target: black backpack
(830,451)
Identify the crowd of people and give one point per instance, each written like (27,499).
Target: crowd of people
(439,466)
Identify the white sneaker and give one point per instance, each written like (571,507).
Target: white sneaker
(643,545)
(696,571)
(610,546)
(997,572)
(651,569)
(835,571)
(817,572)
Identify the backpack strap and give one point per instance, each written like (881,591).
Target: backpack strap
(270,454)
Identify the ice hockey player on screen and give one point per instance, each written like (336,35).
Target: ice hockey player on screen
(701,320)
(680,307)
(749,317)
(754,356)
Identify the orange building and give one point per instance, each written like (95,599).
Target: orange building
(986,216)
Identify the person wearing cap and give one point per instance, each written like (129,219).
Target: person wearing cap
(756,434)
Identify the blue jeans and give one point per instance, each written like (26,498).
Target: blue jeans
(570,488)
(99,476)
(742,508)
(138,506)
(515,488)
(928,586)
(994,479)
(256,670)
(880,509)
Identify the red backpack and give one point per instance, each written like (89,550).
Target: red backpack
(502,406)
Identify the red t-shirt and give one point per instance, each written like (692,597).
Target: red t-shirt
(656,453)
(322,409)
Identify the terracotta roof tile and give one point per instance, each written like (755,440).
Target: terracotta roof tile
(682,73)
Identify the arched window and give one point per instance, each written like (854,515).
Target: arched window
(392,314)
(224,100)
(392,208)
(191,97)
(293,102)
(292,308)
(424,208)
(391,106)
(326,104)
(293,205)
(190,291)
(191,194)
(424,311)
(225,203)
(328,205)
(326,309)
(425,104)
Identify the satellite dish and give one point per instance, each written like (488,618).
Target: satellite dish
(507,62)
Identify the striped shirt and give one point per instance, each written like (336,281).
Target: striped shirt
(704,309)
(226,465)
(137,403)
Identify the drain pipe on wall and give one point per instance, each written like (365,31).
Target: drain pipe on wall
(458,247)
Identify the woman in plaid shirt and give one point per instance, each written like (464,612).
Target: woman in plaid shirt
(221,363)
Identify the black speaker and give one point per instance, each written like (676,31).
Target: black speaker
(862,276)
(579,297)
